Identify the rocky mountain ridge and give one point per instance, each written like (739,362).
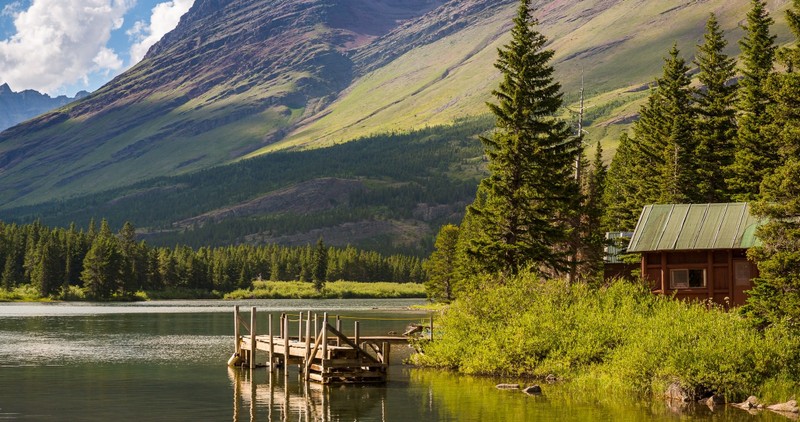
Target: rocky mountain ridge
(16,107)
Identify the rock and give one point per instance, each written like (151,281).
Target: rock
(533,390)
(788,407)
(676,393)
(751,403)
(714,400)
(551,378)
(507,386)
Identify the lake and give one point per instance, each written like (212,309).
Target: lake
(167,361)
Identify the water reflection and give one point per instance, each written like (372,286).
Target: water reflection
(260,394)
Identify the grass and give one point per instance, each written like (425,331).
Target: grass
(332,290)
(618,338)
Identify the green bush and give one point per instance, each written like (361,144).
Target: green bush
(620,336)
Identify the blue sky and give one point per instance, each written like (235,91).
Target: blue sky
(63,46)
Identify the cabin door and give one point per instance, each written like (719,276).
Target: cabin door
(743,273)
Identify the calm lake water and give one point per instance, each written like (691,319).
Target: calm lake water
(167,361)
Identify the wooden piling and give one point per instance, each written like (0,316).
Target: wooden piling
(286,344)
(338,328)
(324,338)
(431,326)
(236,335)
(252,337)
(271,346)
(308,335)
(300,328)
(356,338)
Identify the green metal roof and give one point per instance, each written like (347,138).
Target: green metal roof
(665,227)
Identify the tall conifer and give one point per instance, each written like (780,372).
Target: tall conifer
(531,187)
(715,126)
(755,155)
(776,293)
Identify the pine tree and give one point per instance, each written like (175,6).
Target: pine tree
(775,296)
(320,265)
(593,233)
(677,145)
(715,126)
(622,204)
(441,266)
(101,267)
(755,153)
(521,219)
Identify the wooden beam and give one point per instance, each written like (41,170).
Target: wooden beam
(349,342)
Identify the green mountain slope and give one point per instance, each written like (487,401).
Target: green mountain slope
(290,86)
(236,79)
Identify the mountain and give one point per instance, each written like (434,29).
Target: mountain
(236,80)
(16,107)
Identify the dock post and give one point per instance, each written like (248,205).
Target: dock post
(300,328)
(252,337)
(271,346)
(387,347)
(308,336)
(237,345)
(324,339)
(286,344)
(357,340)
(316,329)
(431,326)
(339,329)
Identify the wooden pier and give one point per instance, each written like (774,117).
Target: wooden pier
(328,356)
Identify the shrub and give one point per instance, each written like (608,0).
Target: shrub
(620,333)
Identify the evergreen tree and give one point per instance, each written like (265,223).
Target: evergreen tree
(320,261)
(755,153)
(101,267)
(520,218)
(622,206)
(775,296)
(677,145)
(715,126)
(593,233)
(441,266)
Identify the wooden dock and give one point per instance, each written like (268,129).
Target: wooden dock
(328,356)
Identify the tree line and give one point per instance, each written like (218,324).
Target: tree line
(104,264)
(734,137)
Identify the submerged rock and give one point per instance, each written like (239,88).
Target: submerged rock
(507,386)
(533,390)
(752,402)
(788,407)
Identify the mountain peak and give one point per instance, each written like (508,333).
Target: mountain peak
(5,89)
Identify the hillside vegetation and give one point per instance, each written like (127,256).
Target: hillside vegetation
(236,80)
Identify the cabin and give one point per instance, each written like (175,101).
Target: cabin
(697,251)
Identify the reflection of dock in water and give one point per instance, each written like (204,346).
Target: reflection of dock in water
(328,356)
(275,398)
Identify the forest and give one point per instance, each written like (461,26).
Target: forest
(435,165)
(98,264)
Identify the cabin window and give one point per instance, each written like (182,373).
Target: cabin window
(687,278)
(741,271)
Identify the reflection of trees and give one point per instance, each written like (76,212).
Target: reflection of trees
(275,396)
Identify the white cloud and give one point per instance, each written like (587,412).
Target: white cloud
(165,17)
(60,42)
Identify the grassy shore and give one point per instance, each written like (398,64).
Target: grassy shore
(260,290)
(619,338)
(332,290)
